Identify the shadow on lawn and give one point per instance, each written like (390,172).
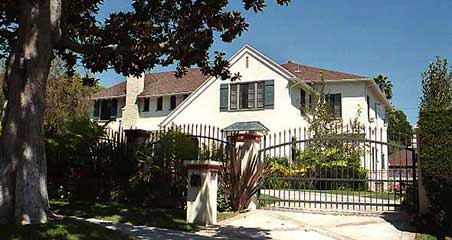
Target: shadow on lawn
(163,218)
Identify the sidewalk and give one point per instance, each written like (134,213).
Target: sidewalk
(264,224)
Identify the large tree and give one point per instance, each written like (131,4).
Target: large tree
(437,86)
(32,32)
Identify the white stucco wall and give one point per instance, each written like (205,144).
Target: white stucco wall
(204,106)
(150,120)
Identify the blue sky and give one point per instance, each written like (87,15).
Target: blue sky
(397,38)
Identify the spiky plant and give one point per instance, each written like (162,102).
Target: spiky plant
(245,182)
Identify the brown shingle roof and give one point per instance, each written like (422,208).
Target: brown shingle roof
(118,90)
(308,74)
(166,83)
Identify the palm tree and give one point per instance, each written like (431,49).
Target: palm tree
(385,85)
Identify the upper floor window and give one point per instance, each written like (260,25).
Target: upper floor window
(105,109)
(172,102)
(146,105)
(368,107)
(159,104)
(335,103)
(246,96)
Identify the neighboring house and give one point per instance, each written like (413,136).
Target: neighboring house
(267,92)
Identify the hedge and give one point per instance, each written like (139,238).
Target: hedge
(435,134)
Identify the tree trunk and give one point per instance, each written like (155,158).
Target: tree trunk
(23,166)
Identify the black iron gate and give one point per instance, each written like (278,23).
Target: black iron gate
(361,172)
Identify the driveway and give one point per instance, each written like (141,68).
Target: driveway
(265,224)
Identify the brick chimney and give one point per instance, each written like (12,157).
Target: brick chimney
(131,112)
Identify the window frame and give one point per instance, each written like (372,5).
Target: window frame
(235,94)
(332,103)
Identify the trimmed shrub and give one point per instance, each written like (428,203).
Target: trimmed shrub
(435,128)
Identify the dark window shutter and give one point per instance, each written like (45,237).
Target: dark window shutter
(337,105)
(224,97)
(105,110)
(172,102)
(269,94)
(146,105)
(303,101)
(260,95)
(96,110)
(114,108)
(159,103)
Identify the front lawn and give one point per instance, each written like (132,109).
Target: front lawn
(161,218)
(61,229)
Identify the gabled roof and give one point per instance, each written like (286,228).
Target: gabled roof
(308,74)
(166,83)
(118,90)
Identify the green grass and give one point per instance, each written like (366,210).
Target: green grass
(61,229)
(423,236)
(162,218)
(266,200)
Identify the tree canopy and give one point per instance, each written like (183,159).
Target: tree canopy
(437,86)
(153,32)
(399,129)
(385,85)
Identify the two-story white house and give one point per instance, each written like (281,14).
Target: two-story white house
(267,92)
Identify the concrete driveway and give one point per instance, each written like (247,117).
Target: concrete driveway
(266,224)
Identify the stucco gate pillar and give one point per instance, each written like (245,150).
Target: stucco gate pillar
(202,192)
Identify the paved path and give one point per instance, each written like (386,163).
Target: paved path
(264,224)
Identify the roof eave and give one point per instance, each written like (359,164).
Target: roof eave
(108,97)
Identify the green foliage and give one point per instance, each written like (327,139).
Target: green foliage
(385,85)
(334,162)
(130,42)
(80,166)
(399,129)
(437,86)
(162,162)
(224,203)
(67,98)
(435,159)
